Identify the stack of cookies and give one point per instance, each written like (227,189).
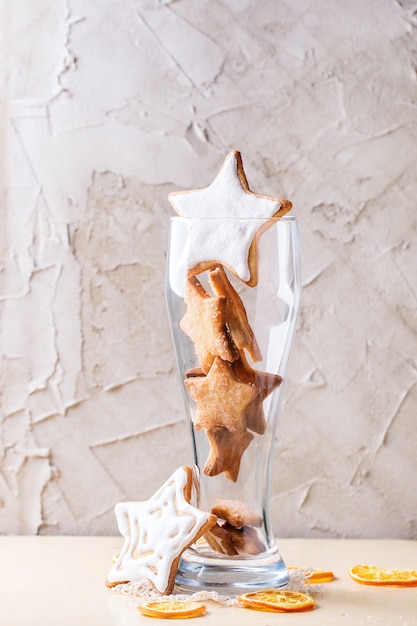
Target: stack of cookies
(227,391)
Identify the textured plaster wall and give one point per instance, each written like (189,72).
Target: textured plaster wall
(105,108)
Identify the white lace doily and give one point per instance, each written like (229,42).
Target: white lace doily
(145,590)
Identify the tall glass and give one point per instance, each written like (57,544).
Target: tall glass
(233,457)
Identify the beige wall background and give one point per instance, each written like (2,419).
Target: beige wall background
(106,108)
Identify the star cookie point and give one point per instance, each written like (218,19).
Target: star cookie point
(265,382)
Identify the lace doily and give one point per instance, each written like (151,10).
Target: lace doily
(145,590)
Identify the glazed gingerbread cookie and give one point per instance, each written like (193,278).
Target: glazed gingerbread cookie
(156,532)
(234,243)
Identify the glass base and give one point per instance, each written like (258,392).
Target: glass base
(230,576)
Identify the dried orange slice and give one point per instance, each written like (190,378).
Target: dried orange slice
(321,576)
(315,575)
(172,609)
(275,600)
(371,575)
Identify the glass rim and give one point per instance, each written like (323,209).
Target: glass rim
(274,218)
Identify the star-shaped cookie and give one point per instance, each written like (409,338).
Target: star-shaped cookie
(230,242)
(237,533)
(156,532)
(221,400)
(226,450)
(205,323)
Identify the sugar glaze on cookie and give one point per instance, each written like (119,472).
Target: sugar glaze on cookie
(232,243)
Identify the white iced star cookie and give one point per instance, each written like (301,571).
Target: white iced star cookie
(156,532)
(230,243)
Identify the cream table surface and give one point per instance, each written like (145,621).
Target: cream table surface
(59,581)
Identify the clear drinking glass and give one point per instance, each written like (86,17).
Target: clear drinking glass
(233,559)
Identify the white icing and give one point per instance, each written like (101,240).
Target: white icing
(156,532)
(227,241)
